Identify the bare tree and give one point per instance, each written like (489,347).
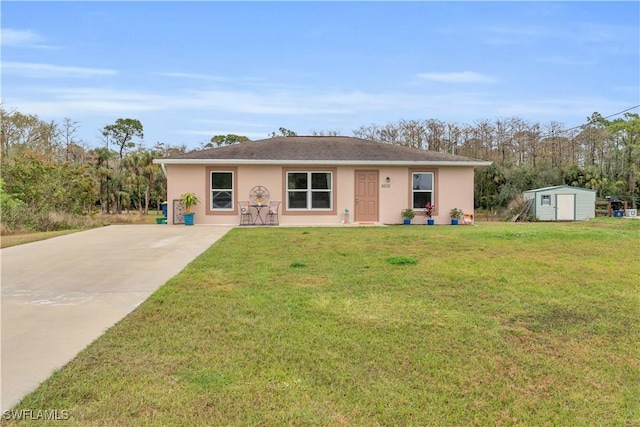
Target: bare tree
(435,135)
(413,133)
(68,132)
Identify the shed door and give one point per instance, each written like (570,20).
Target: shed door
(366,202)
(566,207)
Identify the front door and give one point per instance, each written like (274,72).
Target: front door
(566,207)
(366,202)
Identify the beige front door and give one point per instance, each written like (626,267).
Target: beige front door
(366,202)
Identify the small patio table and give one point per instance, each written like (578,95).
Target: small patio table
(258,208)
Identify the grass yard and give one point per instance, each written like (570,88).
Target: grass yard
(497,324)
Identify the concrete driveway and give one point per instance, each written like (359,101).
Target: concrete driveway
(60,294)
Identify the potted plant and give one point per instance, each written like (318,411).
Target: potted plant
(428,211)
(408,214)
(456,215)
(188,200)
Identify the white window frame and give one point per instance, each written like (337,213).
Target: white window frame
(309,191)
(432,191)
(217,190)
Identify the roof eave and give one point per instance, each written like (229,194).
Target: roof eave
(322,162)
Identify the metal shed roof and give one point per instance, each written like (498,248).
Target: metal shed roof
(557,187)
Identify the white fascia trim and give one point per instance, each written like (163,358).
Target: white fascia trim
(317,162)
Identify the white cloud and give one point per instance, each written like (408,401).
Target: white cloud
(22,38)
(38,70)
(244,80)
(82,101)
(457,77)
(561,60)
(521,29)
(582,32)
(294,103)
(246,106)
(357,100)
(228,122)
(195,76)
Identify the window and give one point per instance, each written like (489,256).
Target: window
(221,190)
(546,200)
(422,190)
(310,190)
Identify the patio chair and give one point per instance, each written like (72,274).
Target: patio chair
(272,215)
(246,217)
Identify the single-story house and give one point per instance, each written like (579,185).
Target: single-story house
(562,203)
(319,180)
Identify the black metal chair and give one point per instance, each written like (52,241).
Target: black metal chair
(246,217)
(272,214)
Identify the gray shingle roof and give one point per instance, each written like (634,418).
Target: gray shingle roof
(319,148)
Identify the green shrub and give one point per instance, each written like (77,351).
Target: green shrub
(13,212)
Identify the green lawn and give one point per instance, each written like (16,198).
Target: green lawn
(496,324)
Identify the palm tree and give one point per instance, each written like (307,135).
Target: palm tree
(105,175)
(152,174)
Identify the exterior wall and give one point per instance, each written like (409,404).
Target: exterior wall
(455,191)
(584,202)
(546,212)
(453,188)
(182,179)
(585,205)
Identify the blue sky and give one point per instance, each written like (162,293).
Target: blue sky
(191,70)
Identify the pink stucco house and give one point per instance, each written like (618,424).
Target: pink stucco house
(316,179)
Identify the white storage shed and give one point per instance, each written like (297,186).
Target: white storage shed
(562,203)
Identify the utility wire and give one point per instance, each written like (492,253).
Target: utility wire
(610,115)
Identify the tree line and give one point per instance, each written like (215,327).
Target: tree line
(602,154)
(46,168)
